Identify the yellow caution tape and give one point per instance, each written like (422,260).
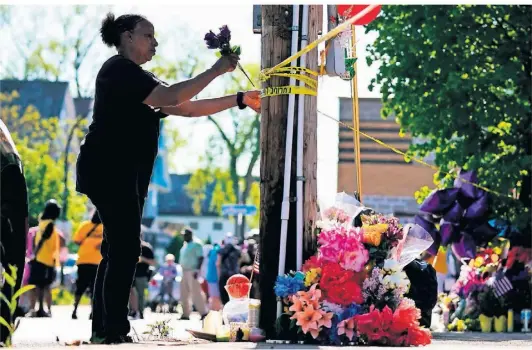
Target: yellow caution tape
(287,90)
(345,25)
(312,83)
(417,160)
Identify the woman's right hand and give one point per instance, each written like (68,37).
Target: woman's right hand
(226,64)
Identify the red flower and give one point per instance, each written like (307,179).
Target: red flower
(418,336)
(340,286)
(369,324)
(312,263)
(405,316)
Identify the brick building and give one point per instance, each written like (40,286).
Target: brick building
(388,182)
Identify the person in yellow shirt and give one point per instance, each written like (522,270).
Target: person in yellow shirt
(89,238)
(46,245)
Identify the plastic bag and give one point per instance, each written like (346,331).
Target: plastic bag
(343,211)
(423,288)
(236,310)
(415,241)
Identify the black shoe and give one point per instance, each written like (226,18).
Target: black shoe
(118,339)
(42,313)
(74,316)
(184,318)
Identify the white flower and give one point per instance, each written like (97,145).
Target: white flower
(391,266)
(387,281)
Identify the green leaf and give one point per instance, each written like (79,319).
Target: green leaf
(23,290)
(236,50)
(9,280)
(218,54)
(292,323)
(4,323)
(5,300)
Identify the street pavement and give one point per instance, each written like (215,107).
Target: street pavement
(46,333)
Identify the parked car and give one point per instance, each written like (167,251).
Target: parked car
(154,301)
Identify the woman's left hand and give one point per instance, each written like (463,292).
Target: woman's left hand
(252,100)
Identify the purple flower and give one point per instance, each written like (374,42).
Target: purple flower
(225,35)
(212,40)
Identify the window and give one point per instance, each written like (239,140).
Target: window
(194,225)
(217,226)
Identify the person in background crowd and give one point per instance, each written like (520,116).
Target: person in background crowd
(89,238)
(249,250)
(212,278)
(13,222)
(45,258)
(207,247)
(190,259)
(228,264)
(169,272)
(143,275)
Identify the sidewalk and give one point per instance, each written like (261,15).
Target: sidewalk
(441,341)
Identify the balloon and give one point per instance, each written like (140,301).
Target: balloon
(348,11)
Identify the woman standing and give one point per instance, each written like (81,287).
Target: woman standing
(46,245)
(89,238)
(117,156)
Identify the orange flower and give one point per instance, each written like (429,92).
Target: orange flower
(347,327)
(373,233)
(308,319)
(297,305)
(312,297)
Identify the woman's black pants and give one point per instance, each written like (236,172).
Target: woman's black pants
(121,215)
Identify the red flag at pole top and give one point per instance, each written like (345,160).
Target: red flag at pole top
(347,11)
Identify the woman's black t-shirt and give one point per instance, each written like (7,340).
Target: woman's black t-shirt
(120,148)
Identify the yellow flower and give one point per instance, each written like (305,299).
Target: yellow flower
(312,276)
(497,250)
(479,261)
(460,326)
(373,233)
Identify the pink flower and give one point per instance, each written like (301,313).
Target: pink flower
(344,246)
(325,320)
(347,327)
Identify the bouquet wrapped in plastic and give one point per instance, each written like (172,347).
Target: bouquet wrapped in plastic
(353,290)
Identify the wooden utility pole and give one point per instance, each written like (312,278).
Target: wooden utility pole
(310,139)
(276,38)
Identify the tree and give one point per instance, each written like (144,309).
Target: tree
(60,54)
(43,172)
(459,77)
(239,139)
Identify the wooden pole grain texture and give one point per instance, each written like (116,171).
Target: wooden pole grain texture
(276,39)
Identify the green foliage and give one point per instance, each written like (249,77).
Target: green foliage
(11,279)
(42,160)
(421,194)
(61,296)
(160,329)
(238,138)
(459,78)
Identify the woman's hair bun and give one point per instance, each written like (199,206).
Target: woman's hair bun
(109,31)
